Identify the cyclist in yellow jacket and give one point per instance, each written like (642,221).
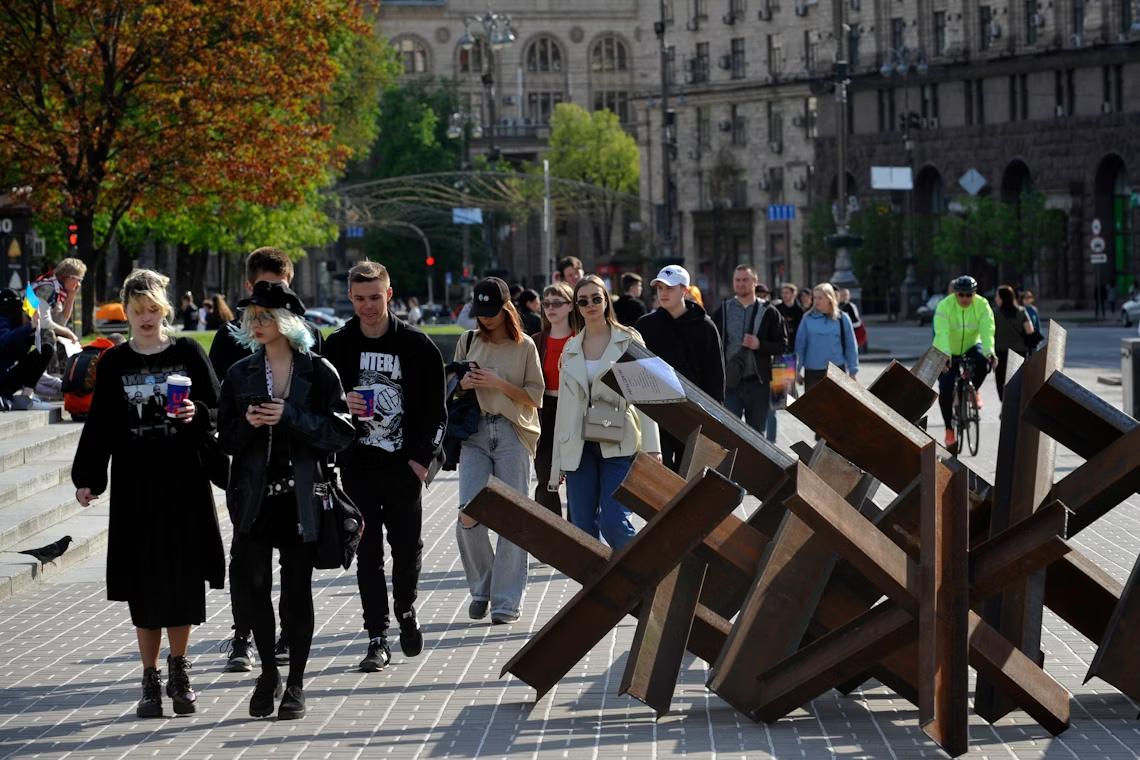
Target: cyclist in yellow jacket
(964,329)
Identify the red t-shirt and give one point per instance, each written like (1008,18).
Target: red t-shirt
(552,360)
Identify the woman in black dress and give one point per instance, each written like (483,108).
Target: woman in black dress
(282,413)
(164,544)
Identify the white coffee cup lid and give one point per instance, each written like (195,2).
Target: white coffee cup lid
(178,380)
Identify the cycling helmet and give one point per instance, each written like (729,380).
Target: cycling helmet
(965,284)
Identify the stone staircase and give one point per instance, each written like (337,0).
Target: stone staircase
(37,500)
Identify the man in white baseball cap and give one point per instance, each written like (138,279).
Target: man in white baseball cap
(681,334)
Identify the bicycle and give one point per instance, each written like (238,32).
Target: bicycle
(966,416)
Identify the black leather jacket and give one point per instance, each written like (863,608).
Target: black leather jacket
(316,419)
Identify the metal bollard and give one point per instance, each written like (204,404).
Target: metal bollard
(1130,375)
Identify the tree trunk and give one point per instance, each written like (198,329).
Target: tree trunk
(199,260)
(183,274)
(89,255)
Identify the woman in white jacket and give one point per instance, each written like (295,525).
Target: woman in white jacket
(596,458)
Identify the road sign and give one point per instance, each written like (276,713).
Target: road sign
(972,182)
(447,278)
(1096,245)
(1096,227)
(891,178)
(1098,258)
(354,231)
(785,213)
(466,216)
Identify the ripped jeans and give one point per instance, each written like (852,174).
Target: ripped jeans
(497,575)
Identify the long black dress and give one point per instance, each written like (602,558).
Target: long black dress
(163,538)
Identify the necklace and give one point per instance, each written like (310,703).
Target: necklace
(150,373)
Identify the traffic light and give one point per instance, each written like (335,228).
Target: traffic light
(73,234)
(466,273)
(431,261)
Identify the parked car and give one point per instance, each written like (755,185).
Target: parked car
(322,318)
(925,312)
(1130,311)
(436,314)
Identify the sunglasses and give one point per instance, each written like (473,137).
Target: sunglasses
(964,295)
(263,319)
(584,302)
(554,304)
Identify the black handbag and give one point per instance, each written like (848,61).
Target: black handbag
(342,525)
(215,462)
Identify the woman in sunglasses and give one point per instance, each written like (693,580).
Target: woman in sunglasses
(596,433)
(557,305)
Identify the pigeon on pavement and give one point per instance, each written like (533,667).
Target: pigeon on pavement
(49,553)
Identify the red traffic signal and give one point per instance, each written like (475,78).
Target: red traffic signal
(73,234)
(431,261)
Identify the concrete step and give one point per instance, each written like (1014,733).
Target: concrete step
(14,423)
(33,446)
(88,531)
(37,513)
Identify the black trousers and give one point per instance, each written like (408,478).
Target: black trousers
(251,572)
(27,372)
(543,456)
(1000,371)
(243,626)
(390,497)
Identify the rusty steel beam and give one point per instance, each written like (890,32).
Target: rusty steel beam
(943,611)
(569,549)
(1107,478)
(1025,468)
(901,390)
(1082,594)
(782,601)
(1075,417)
(929,366)
(1117,658)
(1018,551)
(844,652)
(658,646)
(644,562)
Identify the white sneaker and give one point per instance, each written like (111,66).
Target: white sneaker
(23,403)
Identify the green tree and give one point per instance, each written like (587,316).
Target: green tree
(819,257)
(880,262)
(592,148)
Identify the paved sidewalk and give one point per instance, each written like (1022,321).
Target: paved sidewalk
(69,677)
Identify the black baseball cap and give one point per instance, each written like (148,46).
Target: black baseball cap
(489,297)
(274,295)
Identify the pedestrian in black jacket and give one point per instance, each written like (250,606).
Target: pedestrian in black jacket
(263,265)
(747,324)
(680,333)
(630,308)
(386,465)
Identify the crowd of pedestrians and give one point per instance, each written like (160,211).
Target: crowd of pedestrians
(373,404)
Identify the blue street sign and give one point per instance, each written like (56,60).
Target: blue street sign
(447,278)
(354,231)
(784,213)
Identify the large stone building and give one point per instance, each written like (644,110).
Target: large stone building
(1036,94)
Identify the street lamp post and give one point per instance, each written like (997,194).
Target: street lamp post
(463,126)
(668,139)
(843,240)
(497,27)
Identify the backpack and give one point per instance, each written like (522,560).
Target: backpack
(79,378)
(737,364)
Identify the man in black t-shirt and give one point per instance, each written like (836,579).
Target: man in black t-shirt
(384,469)
(263,265)
(629,308)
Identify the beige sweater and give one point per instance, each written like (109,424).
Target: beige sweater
(517,363)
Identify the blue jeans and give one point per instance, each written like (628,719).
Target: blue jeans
(752,399)
(770,425)
(497,575)
(589,494)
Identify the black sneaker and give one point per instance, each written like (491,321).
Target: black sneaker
(240,648)
(292,704)
(281,652)
(378,657)
(178,687)
(411,637)
(268,688)
(150,706)
(478,609)
(504,618)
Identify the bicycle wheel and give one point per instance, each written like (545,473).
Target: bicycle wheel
(973,417)
(961,413)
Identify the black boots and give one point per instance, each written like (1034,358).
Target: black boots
(269,687)
(150,706)
(292,704)
(178,687)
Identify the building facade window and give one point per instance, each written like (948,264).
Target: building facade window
(776,185)
(739,124)
(471,61)
(610,54)
(1030,22)
(811,117)
(667,11)
(738,68)
(1113,99)
(544,56)
(1126,16)
(701,63)
(853,46)
(740,190)
(887,110)
(613,100)
(775,54)
(940,33)
(540,106)
(413,54)
(472,103)
(703,194)
(1079,18)
(929,94)
(736,8)
(704,127)
(775,122)
(811,49)
(898,33)
(1071,92)
(701,10)
(985,18)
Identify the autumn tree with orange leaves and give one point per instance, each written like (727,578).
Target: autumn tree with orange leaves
(112,105)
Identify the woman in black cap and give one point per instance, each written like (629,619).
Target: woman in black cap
(281,413)
(505,373)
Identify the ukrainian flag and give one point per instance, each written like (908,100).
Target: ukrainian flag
(31,301)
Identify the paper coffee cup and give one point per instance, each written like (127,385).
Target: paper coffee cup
(177,391)
(369,394)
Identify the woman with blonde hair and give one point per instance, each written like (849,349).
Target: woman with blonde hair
(825,336)
(596,433)
(556,331)
(164,543)
(504,372)
(695,296)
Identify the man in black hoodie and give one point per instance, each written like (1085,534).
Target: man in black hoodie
(385,467)
(680,333)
